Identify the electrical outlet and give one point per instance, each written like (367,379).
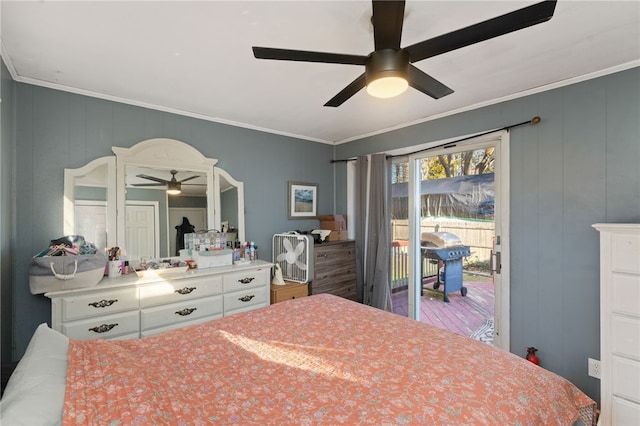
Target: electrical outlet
(594,368)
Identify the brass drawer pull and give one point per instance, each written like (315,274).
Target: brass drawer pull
(103,303)
(185,312)
(246,298)
(185,290)
(103,328)
(246,280)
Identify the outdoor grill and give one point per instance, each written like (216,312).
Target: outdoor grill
(448,249)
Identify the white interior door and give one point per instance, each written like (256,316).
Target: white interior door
(142,235)
(91,222)
(197,217)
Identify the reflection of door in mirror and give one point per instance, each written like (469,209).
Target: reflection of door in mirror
(149,239)
(89,202)
(142,237)
(91,221)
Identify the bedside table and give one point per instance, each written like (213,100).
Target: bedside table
(290,290)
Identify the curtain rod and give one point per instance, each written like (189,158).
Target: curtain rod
(535,120)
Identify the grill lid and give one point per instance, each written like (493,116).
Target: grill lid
(440,240)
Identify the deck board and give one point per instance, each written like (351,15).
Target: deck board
(462,315)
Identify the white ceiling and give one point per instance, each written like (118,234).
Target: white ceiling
(195,58)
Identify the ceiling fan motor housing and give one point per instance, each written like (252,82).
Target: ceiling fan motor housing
(387,63)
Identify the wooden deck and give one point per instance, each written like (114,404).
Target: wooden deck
(463,315)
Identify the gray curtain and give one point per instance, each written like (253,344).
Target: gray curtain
(373,233)
(362,166)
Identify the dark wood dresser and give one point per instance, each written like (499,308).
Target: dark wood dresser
(334,269)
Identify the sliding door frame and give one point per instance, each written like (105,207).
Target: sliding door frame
(500,140)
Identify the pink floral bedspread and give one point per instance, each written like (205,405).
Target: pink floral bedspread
(318,359)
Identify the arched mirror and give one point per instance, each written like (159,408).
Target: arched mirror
(136,184)
(152,219)
(90,202)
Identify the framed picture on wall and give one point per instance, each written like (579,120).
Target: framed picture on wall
(302,200)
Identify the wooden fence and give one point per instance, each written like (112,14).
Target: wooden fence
(477,235)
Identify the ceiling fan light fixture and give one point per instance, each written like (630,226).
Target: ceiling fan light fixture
(386,73)
(174,188)
(387,87)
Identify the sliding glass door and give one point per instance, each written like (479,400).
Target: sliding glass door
(439,196)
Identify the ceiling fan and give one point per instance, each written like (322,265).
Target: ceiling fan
(389,70)
(174,186)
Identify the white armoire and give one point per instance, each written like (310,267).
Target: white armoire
(619,323)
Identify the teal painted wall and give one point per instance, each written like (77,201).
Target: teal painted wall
(57,129)
(579,166)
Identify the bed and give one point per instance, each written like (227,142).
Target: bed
(314,360)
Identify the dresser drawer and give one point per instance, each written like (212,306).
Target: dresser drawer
(623,372)
(179,290)
(335,269)
(242,280)
(155,331)
(104,327)
(98,304)
(625,294)
(333,255)
(625,336)
(247,298)
(624,412)
(625,251)
(288,291)
(175,313)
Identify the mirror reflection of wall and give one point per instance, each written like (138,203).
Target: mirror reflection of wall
(229,208)
(231,202)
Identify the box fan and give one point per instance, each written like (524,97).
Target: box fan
(294,253)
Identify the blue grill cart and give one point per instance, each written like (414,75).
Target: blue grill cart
(451,257)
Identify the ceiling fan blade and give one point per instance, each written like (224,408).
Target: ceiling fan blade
(353,88)
(149,184)
(427,84)
(189,178)
(387,20)
(153,178)
(517,20)
(307,56)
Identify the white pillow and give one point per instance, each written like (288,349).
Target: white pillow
(35,391)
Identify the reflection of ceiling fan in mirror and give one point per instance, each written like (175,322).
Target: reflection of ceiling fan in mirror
(174,186)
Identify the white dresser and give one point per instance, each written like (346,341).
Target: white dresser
(132,306)
(620,323)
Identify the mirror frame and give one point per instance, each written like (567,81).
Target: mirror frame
(162,153)
(166,154)
(70,177)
